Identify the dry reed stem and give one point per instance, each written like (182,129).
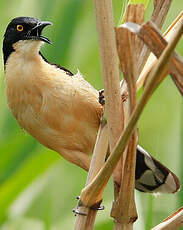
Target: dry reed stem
(159,72)
(110,72)
(152,59)
(99,182)
(123,212)
(86,222)
(161,8)
(156,43)
(99,153)
(145,61)
(151,36)
(135,13)
(174,221)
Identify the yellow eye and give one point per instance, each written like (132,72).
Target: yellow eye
(20,28)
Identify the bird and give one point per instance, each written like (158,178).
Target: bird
(61,110)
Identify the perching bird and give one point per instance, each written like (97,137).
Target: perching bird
(62,110)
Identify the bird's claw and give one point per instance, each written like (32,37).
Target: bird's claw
(77,212)
(96,207)
(124,96)
(101,97)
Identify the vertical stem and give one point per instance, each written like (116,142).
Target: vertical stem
(110,70)
(161,8)
(111,78)
(86,222)
(125,211)
(110,73)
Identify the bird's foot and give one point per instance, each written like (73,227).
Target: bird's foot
(124,96)
(96,207)
(101,97)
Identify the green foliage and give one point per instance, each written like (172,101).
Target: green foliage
(37,187)
(144,2)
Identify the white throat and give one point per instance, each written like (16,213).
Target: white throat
(24,62)
(27,48)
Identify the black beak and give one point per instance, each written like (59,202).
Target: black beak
(35,33)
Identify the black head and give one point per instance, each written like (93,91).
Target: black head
(23,28)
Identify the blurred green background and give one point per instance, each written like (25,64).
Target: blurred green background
(38,187)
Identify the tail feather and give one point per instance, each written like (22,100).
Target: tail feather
(153,177)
